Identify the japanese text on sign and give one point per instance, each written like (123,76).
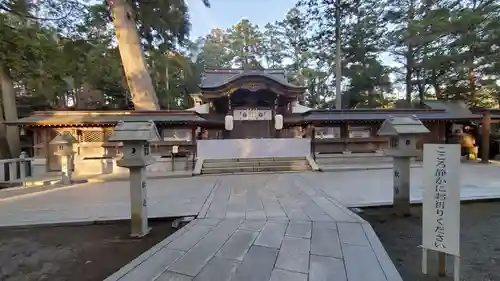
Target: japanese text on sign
(441,206)
(440,197)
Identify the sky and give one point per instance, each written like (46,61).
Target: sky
(226,13)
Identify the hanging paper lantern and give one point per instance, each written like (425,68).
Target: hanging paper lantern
(278,122)
(229,122)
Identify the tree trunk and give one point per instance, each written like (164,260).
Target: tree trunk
(138,78)
(435,84)
(410,60)
(8,134)
(4,145)
(338,58)
(472,83)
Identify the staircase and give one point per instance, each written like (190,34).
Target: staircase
(359,160)
(352,159)
(255,165)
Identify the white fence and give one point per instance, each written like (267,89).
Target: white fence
(16,169)
(253,148)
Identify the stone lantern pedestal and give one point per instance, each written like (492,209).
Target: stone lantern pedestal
(136,137)
(64,149)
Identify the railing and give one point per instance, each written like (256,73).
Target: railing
(16,169)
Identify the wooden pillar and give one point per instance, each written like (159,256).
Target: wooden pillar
(313,137)
(46,140)
(485,138)
(344,133)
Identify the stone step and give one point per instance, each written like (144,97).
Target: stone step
(356,158)
(264,159)
(255,163)
(226,170)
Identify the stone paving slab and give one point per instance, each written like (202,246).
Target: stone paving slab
(105,201)
(91,202)
(229,244)
(229,253)
(374,187)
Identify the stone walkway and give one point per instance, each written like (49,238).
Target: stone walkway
(267,227)
(104,201)
(185,196)
(374,187)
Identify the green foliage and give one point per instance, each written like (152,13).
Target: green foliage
(65,50)
(444,49)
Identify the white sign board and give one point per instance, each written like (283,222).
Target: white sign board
(441,206)
(252,114)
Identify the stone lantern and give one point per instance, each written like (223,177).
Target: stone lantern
(403,133)
(64,148)
(136,138)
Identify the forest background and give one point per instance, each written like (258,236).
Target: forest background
(65,54)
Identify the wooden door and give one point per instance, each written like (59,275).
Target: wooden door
(252,129)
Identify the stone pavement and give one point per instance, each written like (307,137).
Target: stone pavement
(260,212)
(185,196)
(374,187)
(105,201)
(267,227)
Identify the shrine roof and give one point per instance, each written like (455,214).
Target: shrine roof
(85,118)
(495,112)
(455,107)
(218,77)
(382,114)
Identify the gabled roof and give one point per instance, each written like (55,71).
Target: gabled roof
(135,131)
(495,112)
(382,114)
(218,77)
(404,125)
(453,107)
(200,108)
(63,139)
(298,108)
(85,118)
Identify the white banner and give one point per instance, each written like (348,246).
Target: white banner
(441,206)
(253,148)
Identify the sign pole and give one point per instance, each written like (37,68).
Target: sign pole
(442,264)
(456,269)
(424,260)
(441,209)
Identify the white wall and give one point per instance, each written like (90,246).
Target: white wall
(253,148)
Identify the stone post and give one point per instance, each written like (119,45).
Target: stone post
(136,138)
(22,166)
(66,169)
(138,202)
(401,192)
(12,170)
(485,138)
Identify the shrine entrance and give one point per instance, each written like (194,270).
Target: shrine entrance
(252,123)
(251,103)
(253,114)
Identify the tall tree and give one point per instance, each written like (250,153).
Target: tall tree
(295,43)
(162,24)
(213,49)
(273,48)
(245,43)
(134,63)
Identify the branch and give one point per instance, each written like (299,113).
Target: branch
(9,10)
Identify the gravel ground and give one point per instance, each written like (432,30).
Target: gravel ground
(480,240)
(72,253)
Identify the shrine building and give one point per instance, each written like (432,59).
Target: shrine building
(238,113)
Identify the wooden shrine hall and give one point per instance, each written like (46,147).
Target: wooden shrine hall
(246,112)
